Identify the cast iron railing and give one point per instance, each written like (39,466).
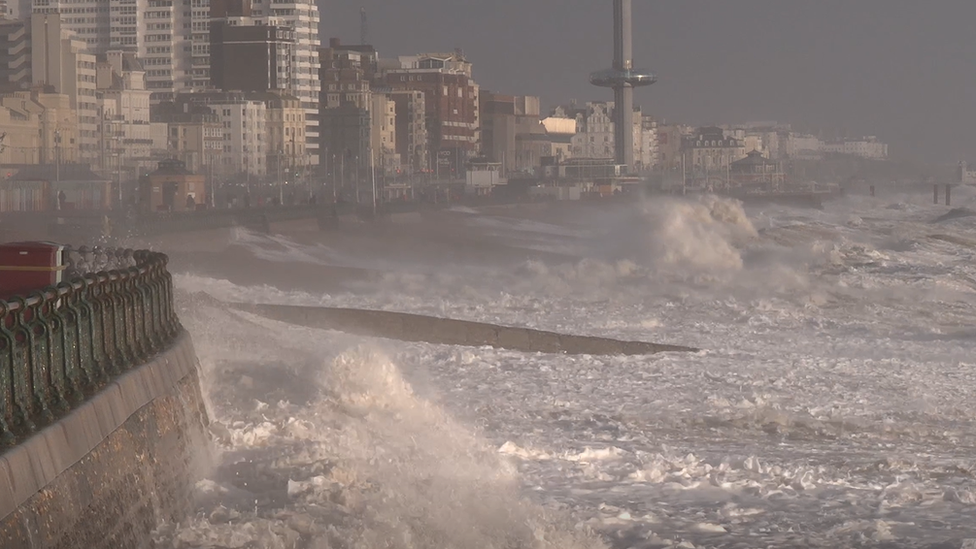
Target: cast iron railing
(62,344)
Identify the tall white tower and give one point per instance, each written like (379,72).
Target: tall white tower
(623,78)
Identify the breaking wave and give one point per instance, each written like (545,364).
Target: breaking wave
(325,444)
(699,235)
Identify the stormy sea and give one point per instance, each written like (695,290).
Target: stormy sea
(830,401)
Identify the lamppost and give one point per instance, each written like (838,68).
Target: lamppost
(118,163)
(335,195)
(281,189)
(358,182)
(57,156)
(372,175)
(213,186)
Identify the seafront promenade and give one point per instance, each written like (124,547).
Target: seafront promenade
(91,226)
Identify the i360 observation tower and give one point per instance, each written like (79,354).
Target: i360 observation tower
(623,78)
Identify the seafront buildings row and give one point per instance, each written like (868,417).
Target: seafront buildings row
(244,93)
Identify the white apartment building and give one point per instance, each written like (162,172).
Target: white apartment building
(866,147)
(59,59)
(382,118)
(594,136)
(804,147)
(302,16)
(123,100)
(594,129)
(158,31)
(172,40)
(245,147)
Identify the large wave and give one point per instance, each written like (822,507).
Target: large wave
(325,444)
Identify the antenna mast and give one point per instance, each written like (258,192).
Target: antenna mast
(363,27)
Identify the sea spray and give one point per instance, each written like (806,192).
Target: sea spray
(327,445)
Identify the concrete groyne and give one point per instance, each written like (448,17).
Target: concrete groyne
(419,328)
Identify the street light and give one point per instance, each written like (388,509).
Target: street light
(372,175)
(57,155)
(281,189)
(118,162)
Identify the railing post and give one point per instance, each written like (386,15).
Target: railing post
(20,359)
(70,316)
(7,369)
(91,345)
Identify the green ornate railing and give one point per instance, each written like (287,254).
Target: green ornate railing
(62,344)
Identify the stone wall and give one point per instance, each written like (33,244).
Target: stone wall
(108,473)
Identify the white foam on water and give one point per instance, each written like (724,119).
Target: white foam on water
(279,249)
(832,404)
(324,443)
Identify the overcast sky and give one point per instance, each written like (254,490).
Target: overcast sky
(904,70)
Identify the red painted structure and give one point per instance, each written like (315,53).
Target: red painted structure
(29,266)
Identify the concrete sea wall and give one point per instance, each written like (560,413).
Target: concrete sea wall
(106,474)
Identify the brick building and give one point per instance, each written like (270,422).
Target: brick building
(452,105)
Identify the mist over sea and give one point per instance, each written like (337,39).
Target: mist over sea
(832,403)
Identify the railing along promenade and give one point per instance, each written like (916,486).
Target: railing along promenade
(61,225)
(61,344)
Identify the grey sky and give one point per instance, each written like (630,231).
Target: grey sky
(904,70)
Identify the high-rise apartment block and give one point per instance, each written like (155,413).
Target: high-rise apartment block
(302,17)
(61,61)
(160,32)
(172,40)
(15,55)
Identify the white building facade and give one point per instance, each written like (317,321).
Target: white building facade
(594,137)
(158,31)
(804,147)
(382,116)
(125,134)
(302,17)
(245,147)
(60,60)
(172,40)
(866,147)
